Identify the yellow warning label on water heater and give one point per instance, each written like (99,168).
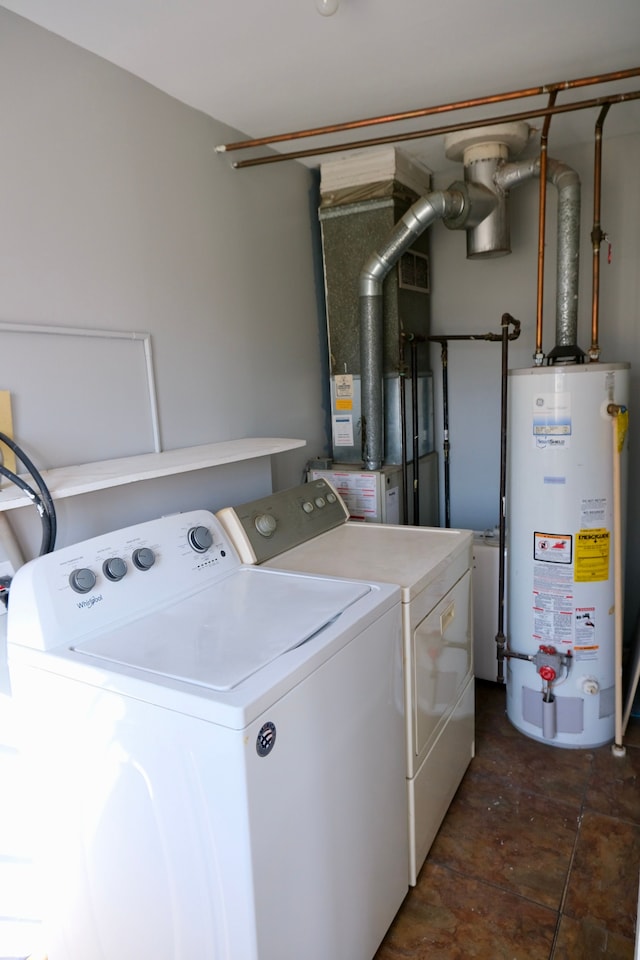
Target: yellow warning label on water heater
(592,555)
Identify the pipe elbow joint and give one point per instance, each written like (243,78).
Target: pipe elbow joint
(561,175)
(372,274)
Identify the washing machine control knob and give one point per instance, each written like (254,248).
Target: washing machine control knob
(114,568)
(143,558)
(200,539)
(82,580)
(307,506)
(265,524)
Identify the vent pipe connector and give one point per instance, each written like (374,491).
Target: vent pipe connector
(483,152)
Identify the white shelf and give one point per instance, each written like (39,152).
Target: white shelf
(86,478)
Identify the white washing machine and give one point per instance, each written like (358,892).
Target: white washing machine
(218,750)
(307,529)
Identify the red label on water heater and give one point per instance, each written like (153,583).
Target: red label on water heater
(552,547)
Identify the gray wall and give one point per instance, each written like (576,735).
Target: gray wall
(471,296)
(116,214)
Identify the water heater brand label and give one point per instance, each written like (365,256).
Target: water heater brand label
(592,555)
(551,420)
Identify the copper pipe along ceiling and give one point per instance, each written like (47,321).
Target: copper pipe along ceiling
(539,356)
(431,111)
(437,131)
(597,235)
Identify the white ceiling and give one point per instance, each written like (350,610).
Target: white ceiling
(271,66)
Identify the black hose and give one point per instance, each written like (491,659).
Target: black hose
(36,501)
(50,525)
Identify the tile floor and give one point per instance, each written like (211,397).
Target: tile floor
(538,857)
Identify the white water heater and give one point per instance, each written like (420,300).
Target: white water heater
(560,539)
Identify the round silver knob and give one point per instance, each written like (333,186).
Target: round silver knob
(320,502)
(307,506)
(82,580)
(265,524)
(143,558)
(331,497)
(200,539)
(114,568)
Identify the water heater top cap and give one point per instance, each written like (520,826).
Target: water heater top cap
(513,136)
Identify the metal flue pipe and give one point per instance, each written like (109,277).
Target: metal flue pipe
(461,205)
(567,183)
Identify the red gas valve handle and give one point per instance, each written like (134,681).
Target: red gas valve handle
(547,673)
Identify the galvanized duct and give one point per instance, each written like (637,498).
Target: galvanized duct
(567,183)
(462,205)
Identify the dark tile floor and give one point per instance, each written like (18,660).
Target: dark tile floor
(538,857)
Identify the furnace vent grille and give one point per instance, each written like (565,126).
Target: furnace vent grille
(413,271)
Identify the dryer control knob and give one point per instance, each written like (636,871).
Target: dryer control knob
(200,539)
(143,558)
(82,580)
(265,524)
(114,568)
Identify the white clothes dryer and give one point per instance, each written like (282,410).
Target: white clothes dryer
(307,528)
(217,750)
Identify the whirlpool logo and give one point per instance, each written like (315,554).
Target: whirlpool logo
(89,602)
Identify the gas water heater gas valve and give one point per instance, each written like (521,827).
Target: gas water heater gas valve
(549,662)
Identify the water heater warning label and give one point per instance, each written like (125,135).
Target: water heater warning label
(552,548)
(592,555)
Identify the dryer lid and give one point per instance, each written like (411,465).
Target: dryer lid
(223,634)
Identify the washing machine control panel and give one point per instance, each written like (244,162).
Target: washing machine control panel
(262,529)
(118,575)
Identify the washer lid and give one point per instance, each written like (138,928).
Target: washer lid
(226,632)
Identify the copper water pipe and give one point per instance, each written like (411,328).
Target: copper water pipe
(597,236)
(542,213)
(437,131)
(430,111)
